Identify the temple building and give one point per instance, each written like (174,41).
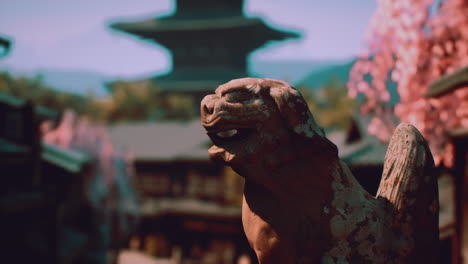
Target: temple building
(191,206)
(456,238)
(209,41)
(38,181)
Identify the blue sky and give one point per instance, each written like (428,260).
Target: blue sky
(74,35)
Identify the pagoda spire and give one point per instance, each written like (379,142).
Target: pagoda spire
(209,41)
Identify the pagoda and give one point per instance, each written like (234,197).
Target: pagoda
(209,41)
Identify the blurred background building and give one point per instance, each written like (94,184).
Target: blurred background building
(191,206)
(209,42)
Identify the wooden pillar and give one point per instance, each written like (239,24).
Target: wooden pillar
(460,245)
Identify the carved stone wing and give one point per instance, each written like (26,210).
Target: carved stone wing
(410,186)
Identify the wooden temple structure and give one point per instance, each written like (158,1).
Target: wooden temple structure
(209,41)
(5,45)
(190,211)
(37,180)
(459,238)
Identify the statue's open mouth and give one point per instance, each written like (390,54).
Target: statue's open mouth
(230,135)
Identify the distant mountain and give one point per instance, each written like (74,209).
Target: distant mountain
(80,82)
(339,72)
(292,71)
(77,82)
(318,78)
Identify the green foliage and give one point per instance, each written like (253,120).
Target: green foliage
(128,101)
(140,101)
(330,104)
(34,89)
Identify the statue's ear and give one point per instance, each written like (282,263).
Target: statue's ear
(293,109)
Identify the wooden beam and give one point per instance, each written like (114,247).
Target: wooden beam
(448,83)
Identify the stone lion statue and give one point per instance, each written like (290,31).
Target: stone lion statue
(301,203)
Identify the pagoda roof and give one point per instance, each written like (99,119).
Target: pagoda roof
(196,79)
(147,28)
(187,86)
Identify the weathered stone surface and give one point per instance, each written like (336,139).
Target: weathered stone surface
(301,203)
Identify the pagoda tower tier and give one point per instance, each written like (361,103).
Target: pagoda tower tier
(209,41)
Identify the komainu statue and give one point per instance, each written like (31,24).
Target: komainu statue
(301,203)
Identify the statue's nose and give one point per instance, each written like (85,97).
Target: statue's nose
(208,104)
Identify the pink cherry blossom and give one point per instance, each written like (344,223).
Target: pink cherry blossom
(413,46)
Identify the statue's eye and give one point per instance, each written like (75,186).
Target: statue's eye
(239,96)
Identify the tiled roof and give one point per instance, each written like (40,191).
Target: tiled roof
(162,141)
(169,141)
(367,151)
(70,160)
(171,24)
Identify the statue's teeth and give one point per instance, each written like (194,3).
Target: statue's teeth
(227,133)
